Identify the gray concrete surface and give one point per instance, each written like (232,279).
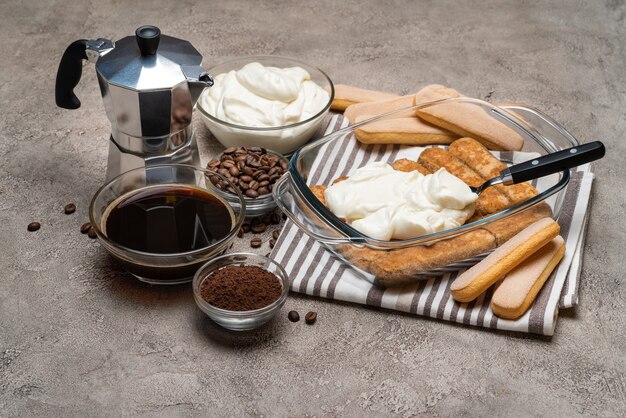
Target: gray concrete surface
(80,338)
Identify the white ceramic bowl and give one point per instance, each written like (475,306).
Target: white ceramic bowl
(282,139)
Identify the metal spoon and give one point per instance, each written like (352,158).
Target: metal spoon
(546,165)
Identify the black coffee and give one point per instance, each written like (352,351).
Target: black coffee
(168,219)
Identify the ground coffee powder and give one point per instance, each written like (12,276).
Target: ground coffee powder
(241,288)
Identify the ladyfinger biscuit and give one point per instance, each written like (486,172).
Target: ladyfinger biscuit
(490,201)
(478,158)
(349,95)
(318,191)
(473,282)
(520,287)
(410,131)
(505,229)
(408,166)
(434,92)
(474,154)
(399,267)
(466,119)
(378,108)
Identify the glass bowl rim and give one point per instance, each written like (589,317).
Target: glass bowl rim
(203,304)
(239,218)
(262,200)
(250,59)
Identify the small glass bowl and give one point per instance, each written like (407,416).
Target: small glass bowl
(157,268)
(283,139)
(256,206)
(241,320)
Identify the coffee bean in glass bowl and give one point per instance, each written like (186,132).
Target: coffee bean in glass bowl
(254,170)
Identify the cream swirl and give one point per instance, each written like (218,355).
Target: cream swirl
(259,96)
(386,204)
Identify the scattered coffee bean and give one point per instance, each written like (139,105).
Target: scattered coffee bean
(259,228)
(70,208)
(267,255)
(293,316)
(91,233)
(275,218)
(84,228)
(272,243)
(310,318)
(276,233)
(252,170)
(240,233)
(246,228)
(33,226)
(256,242)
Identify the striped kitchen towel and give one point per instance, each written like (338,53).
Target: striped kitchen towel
(314,270)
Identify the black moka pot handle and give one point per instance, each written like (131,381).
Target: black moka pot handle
(553,163)
(69,73)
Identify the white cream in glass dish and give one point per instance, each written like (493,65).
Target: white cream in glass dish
(266,101)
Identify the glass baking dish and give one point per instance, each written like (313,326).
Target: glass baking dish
(321,162)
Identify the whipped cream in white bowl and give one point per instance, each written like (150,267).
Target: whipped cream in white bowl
(266,101)
(387,204)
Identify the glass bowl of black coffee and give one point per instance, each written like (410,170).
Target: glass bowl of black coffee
(162,222)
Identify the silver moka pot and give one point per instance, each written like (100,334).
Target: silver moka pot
(149,84)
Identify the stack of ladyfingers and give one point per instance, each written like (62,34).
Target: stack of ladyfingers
(523,263)
(439,122)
